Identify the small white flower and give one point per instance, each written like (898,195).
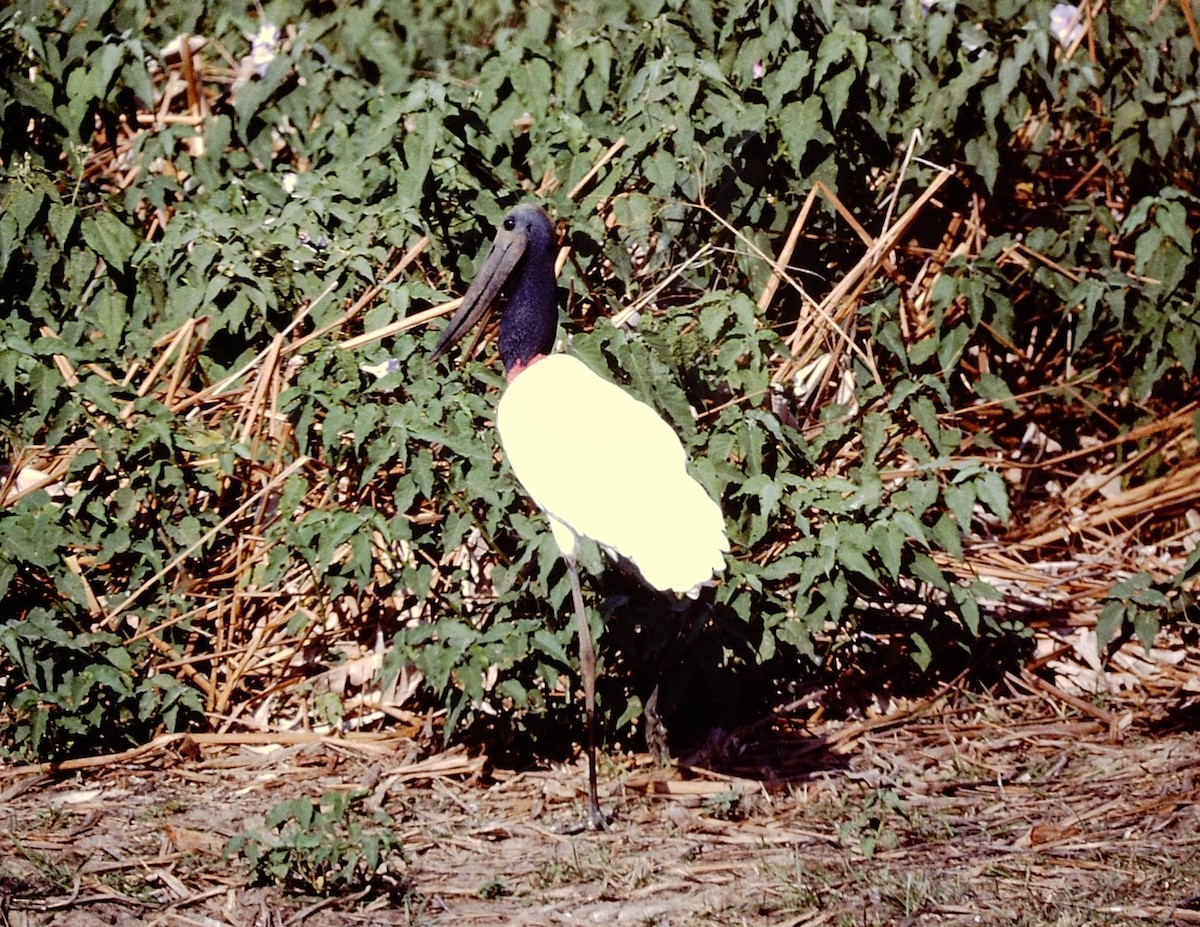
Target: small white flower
(759,70)
(1066,24)
(289,182)
(264,47)
(382,369)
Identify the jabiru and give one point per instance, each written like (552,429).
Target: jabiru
(600,463)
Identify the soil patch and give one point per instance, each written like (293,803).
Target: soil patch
(969,810)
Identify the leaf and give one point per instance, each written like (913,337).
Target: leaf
(925,415)
(832,49)
(1147,246)
(961,500)
(922,654)
(105,63)
(950,348)
(991,490)
(836,91)
(887,539)
(939,25)
(1146,626)
(1009,74)
(836,593)
(62,221)
(926,570)
(23,205)
(1191,566)
(550,644)
(789,77)
(947,535)
(109,237)
(984,159)
(1172,218)
(1130,115)
(989,386)
(911,527)
(874,430)
(800,126)
(969,608)
(420,144)
(853,560)
(1108,623)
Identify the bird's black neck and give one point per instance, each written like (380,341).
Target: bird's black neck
(530,319)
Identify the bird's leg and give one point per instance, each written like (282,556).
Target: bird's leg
(587,669)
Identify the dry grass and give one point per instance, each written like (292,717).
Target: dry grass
(965,809)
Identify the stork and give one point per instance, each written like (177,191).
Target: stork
(600,463)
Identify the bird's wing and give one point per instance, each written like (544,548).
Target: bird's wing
(610,468)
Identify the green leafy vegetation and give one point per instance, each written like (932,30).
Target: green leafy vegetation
(324,847)
(914,281)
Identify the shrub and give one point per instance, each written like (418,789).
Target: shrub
(209,496)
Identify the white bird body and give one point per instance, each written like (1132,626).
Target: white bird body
(604,465)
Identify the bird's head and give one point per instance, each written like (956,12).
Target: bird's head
(519,264)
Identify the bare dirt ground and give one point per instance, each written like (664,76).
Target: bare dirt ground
(1026,806)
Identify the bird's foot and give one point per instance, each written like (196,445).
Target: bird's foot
(595,817)
(593,822)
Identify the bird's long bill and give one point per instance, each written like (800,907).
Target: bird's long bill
(502,258)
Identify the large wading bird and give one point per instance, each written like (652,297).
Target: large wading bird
(601,464)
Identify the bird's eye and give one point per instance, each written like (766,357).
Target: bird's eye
(509,224)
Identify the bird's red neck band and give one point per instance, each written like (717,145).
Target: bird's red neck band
(521,366)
